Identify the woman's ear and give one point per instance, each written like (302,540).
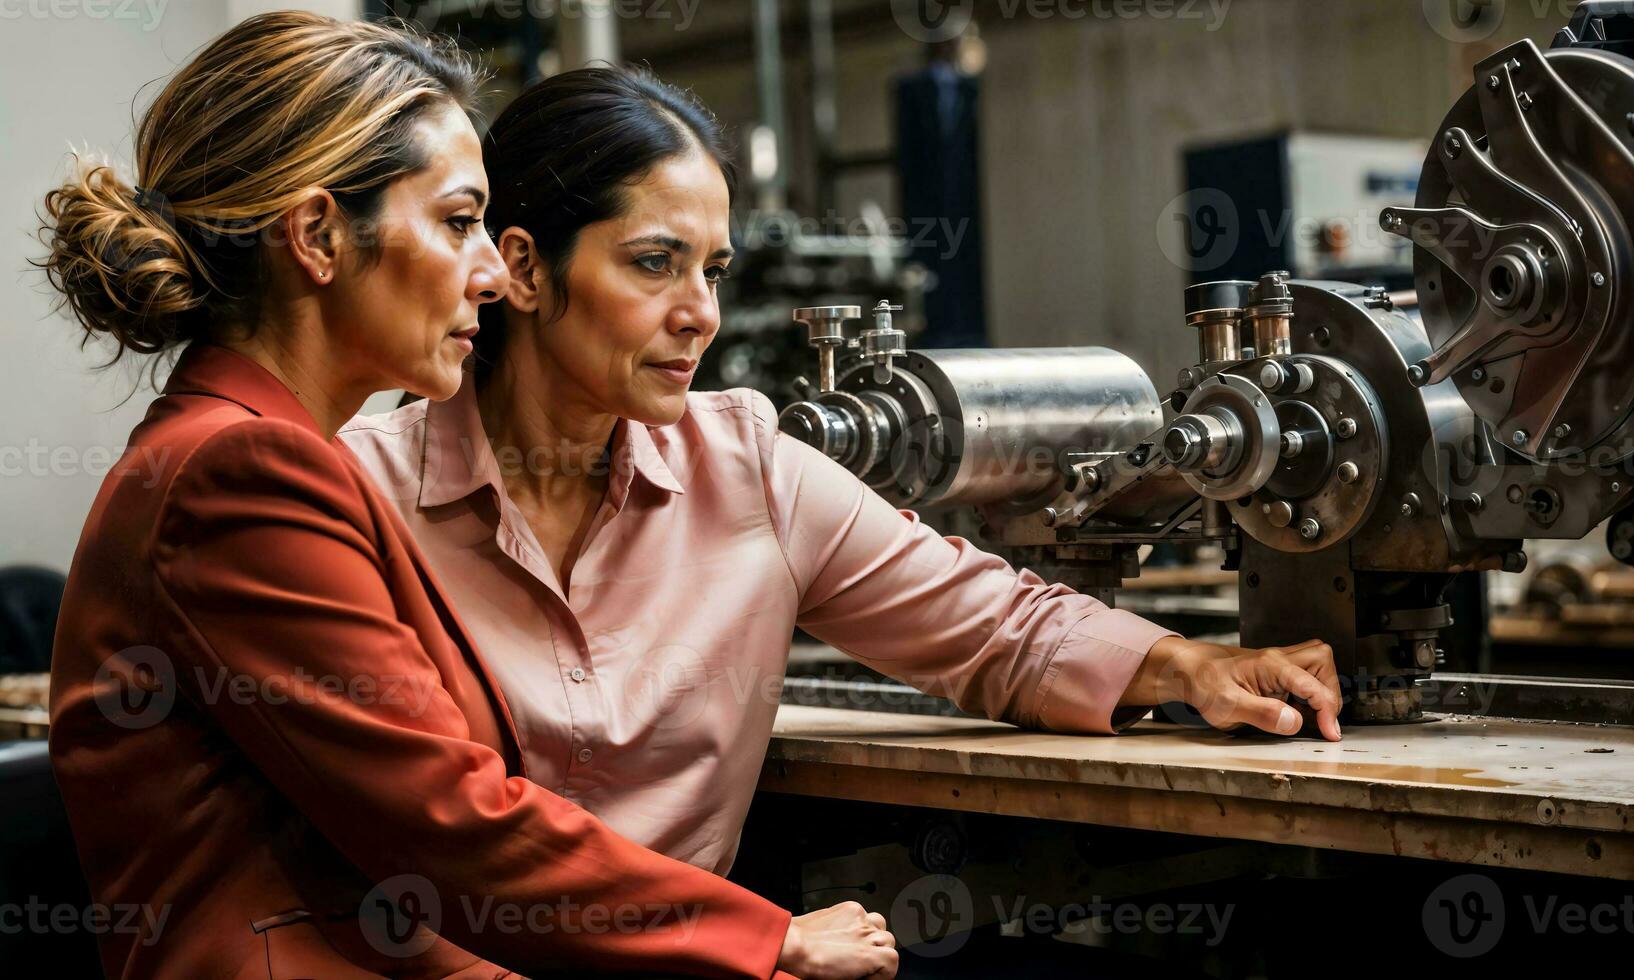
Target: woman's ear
(313,230)
(521,258)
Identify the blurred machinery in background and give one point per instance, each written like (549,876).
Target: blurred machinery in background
(1351,452)
(1304,202)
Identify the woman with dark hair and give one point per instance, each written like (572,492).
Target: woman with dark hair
(280,751)
(633,557)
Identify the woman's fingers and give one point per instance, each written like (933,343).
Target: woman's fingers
(1295,679)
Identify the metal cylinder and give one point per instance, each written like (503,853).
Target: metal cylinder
(1215,309)
(992,426)
(1012,414)
(1271,315)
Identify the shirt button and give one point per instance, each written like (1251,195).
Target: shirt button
(577,673)
(584,755)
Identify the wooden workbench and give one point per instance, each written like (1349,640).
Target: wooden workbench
(1484,791)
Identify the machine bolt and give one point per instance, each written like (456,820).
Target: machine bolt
(1346,428)
(1310,529)
(1562,431)
(1514,561)
(1599,279)
(1187,378)
(1455,145)
(1322,335)
(1410,505)
(1183,444)
(1476,374)
(1050,516)
(1518,437)
(1272,376)
(1347,472)
(1475,503)
(1493,83)
(1418,374)
(1616,487)
(1292,444)
(1279,513)
(1525,100)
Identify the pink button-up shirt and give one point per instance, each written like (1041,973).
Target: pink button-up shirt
(645,692)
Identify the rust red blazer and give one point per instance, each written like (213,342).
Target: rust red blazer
(280,749)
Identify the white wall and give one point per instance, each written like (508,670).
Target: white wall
(71,74)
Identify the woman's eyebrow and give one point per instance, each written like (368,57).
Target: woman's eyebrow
(476,193)
(678,245)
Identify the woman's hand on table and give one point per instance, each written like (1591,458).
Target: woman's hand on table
(1232,686)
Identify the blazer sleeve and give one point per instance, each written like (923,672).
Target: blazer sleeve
(267,551)
(939,613)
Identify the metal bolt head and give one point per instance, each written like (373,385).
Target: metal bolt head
(1310,529)
(1280,513)
(1455,146)
(1599,279)
(1292,444)
(1562,431)
(1475,503)
(1518,437)
(1346,428)
(1182,443)
(1272,376)
(1525,100)
(1347,472)
(1392,221)
(1477,374)
(1493,82)
(1410,505)
(1187,377)
(1322,336)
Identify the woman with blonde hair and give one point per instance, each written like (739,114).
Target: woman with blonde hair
(273,733)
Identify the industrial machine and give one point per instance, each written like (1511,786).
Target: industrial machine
(1352,450)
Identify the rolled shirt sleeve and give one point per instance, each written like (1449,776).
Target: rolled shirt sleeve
(939,613)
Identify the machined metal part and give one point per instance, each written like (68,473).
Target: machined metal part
(1335,508)
(825,327)
(1215,309)
(1523,263)
(1230,438)
(979,427)
(1270,315)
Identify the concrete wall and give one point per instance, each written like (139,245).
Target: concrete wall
(73,76)
(1085,122)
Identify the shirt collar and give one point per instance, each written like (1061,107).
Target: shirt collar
(209,369)
(459,461)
